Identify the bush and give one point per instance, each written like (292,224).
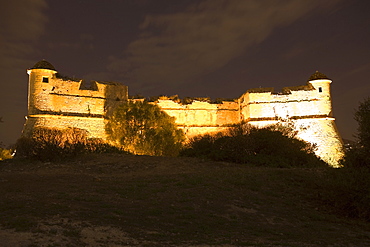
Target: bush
(5,154)
(142,128)
(356,157)
(48,144)
(275,146)
(346,191)
(362,116)
(359,155)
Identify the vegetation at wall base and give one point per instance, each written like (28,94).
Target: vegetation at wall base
(347,190)
(142,128)
(5,153)
(358,156)
(47,144)
(273,146)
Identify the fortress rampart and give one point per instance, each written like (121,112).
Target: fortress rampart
(59,102)
(201,117)
(54,101)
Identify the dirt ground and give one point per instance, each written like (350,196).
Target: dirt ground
(124,200)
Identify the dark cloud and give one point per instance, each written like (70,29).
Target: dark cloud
(22,22)
(84,41)
(174,48)
(21,19)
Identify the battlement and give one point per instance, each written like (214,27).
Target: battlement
(50,94)
(61,102)
(200,113)
(312,99)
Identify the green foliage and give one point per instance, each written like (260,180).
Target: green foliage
(356,157)
(362,116)
(275,146)
(5,154)
(142,128)
(48,144)
(346,191)
(359,155)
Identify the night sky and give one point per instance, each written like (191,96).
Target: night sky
(203,48)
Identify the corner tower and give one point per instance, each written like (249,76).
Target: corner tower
(320,128)
(321,84)
(39,86)
(62,102)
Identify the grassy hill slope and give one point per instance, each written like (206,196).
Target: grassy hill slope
(123,200)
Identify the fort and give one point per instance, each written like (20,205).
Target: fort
(60,102)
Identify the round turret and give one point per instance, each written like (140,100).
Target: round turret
(43,64)
(322,85)
(320,82)
(39,87)
(318,76)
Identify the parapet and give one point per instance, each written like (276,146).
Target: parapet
(51,93)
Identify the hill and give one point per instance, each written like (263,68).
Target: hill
(124,200)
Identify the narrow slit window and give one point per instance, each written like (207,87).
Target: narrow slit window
(320,89)
(45,79)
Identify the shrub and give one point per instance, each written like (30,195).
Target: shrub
(362,116)
(5,154)
(142,128)
(359,155)
(48,144)
(346,191)
(271,146)
(356,157)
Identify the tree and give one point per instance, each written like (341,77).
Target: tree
(4,153)
(362,116)
(142,128)
(359,156)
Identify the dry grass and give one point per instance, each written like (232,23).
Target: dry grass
(123,200)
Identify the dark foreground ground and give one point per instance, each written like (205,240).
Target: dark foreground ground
(120,200)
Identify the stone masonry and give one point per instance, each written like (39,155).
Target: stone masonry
(59,102)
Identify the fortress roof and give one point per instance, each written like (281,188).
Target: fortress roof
(43,64)
(317,76)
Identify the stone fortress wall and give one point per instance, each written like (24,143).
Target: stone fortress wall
(62,103)
(201,117)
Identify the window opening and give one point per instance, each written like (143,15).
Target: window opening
(320,89)
(45,79)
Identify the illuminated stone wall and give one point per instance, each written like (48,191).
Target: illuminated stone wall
(61,103)
(309,100)
(307,108)
(95,126)
(322,132)
(201,117)
(67,96)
